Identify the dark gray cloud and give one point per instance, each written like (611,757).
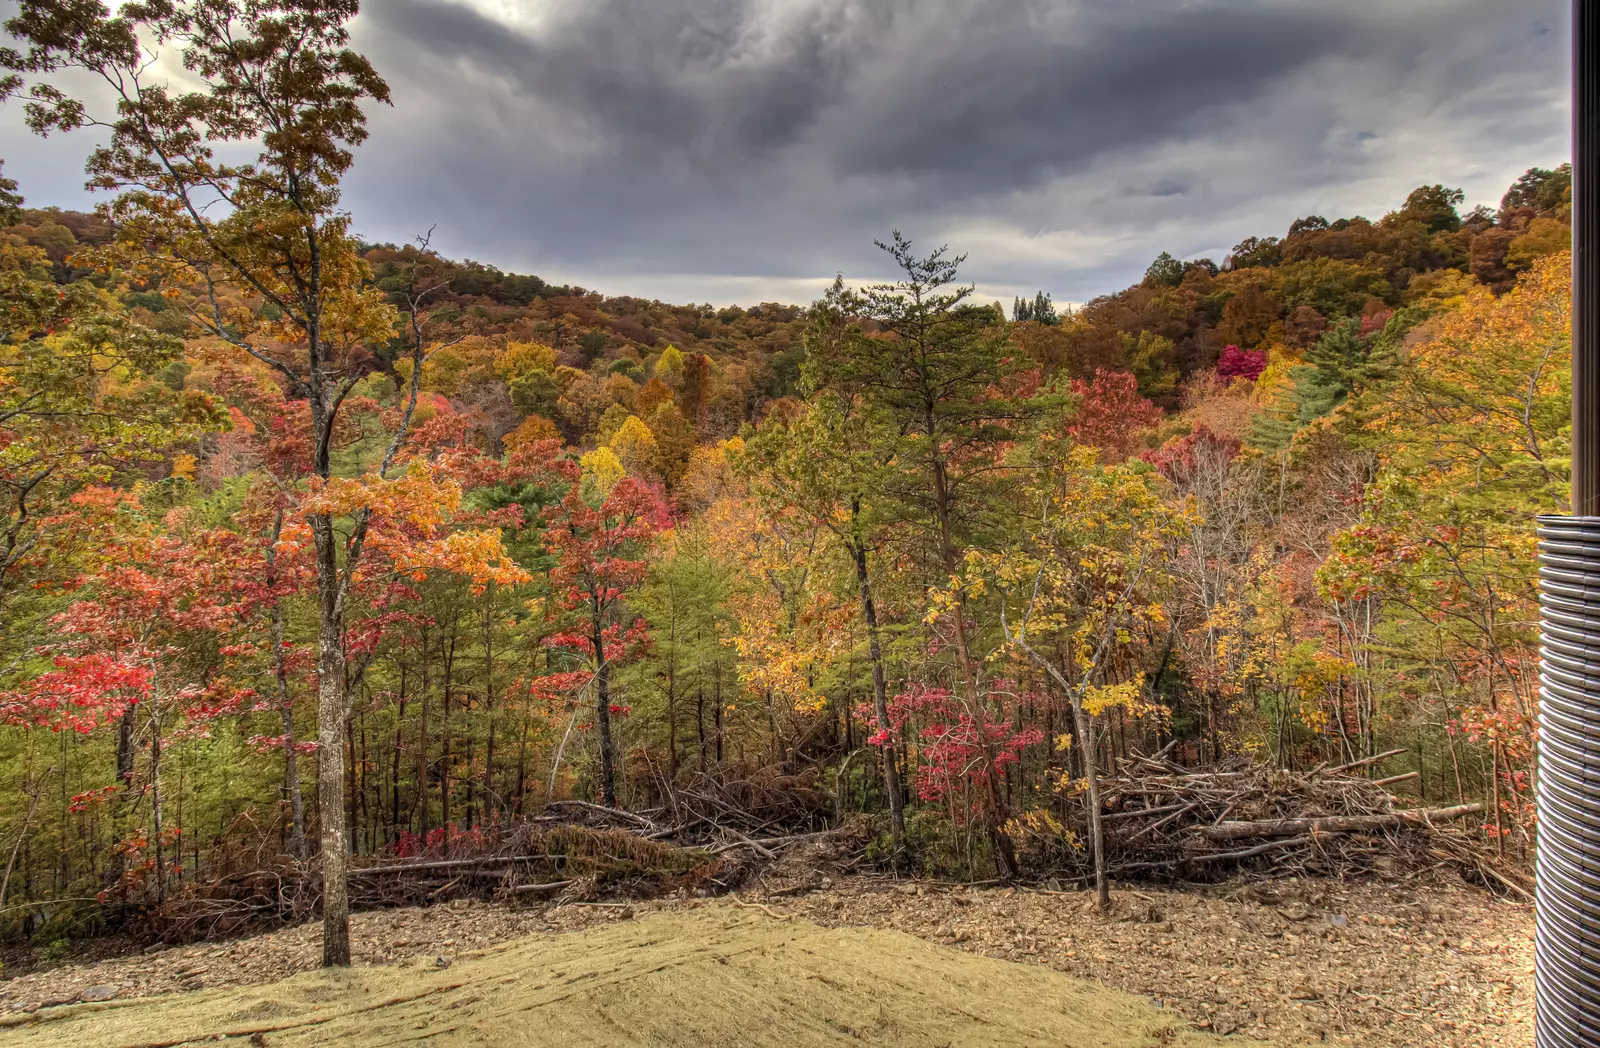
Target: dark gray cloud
(742,149)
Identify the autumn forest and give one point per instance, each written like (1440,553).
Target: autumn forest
(344,551)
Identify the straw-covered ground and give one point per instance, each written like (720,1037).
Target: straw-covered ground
(717,977)
(814,962)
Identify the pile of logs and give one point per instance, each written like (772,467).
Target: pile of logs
(575,851)
(1161,817)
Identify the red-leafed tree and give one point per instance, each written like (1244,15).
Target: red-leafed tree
(156,644)
(1110,414)
(961,753)
(599,545)
(1197,459)
(1236,363)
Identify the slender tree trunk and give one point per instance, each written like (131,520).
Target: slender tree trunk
(394,760)
(602,712)
(716,713)
(444,735)
(469,818)
(880,701)
(125,768)
(280,667)
(700,718)
(517,806)
(488,701)
(291,769)
(422,744)
(352,792)
(362,809)
(1091,772)
(949,558)
(672,720)
(155,802)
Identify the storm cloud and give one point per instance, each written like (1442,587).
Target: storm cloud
(739,150)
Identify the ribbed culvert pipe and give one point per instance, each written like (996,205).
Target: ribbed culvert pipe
(1567,954)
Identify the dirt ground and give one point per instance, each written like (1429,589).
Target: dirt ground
(1289,963)
(718,976)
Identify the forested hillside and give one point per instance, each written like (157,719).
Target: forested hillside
(923,556)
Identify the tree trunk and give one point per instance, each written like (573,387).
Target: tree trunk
(880,702)
(394,761)
(331,732)
(522,772)
(602,713)
(125,797)
(700,718)
(1232,831)
(444,733)
(280,666)
(291,769)
(716,714)
(488,703)
(949,555)
(672,719)
(1091,772)
(155,800)
(422,743)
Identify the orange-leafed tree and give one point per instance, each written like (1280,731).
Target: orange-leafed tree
(1109,413)
(262,246)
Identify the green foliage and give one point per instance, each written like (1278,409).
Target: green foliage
(1543,190)
(1165,271)
(1335,288)
(1253,252)
(535,393)
(685,600)
(1433,208)
(1039,309)
(929,367)
(1309,224)
(1149,357)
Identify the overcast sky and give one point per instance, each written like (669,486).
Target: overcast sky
(746,150)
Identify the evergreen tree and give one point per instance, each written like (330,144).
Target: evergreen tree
(930,367)
(1165,271)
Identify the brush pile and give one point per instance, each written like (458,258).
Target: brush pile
(710,838)
(1161,818)
(1162,821)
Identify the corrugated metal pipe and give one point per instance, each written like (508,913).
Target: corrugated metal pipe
(1568,925)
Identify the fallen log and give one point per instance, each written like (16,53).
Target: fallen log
(600,809)
(1135,813)
(1246,853)
(401,868)
(1232,831)
(526,889)
(763,842)
(1362,763)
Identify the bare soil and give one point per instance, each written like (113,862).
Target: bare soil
(1290,963)
(721,976)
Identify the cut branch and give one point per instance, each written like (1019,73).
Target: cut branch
(1229,831)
